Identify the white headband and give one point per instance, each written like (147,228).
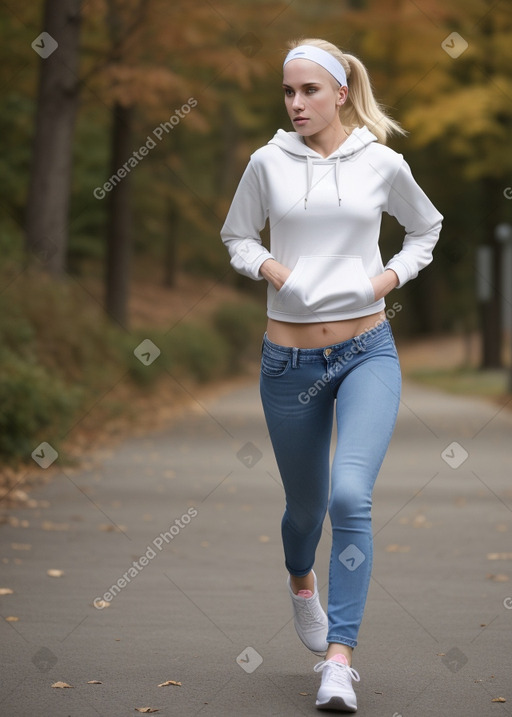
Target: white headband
(322,58)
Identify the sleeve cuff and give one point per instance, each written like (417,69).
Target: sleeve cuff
(400,270)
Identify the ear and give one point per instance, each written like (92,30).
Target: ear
(342,96)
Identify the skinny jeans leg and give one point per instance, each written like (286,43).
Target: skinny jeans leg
(301,389)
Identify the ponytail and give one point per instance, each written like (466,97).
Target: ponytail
(361,107)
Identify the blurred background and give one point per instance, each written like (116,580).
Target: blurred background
(125,127)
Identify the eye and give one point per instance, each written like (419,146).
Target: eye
(311,90)
(288,92)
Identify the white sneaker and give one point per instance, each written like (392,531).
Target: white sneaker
(336,691)
(309,618)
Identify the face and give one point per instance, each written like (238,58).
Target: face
(312,97)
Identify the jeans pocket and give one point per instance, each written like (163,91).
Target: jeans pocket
(274,366)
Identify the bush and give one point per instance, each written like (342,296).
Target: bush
(34,406)
(190,350)
(242,327)
(58,353)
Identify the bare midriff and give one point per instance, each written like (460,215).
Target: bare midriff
(319,335)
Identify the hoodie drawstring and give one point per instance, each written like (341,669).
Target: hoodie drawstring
(309,178)
(337,172)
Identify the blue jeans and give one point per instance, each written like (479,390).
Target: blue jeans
(300,389)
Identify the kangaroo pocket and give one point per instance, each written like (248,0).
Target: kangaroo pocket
(321,284)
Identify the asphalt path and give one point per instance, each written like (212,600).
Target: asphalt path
(172,570)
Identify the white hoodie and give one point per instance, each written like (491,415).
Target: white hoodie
(324,216)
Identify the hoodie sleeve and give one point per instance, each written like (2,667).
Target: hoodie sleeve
(244,222)
(411,207)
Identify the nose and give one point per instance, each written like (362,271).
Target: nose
(298,102)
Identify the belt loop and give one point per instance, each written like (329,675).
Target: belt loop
(295,357)
(360,344)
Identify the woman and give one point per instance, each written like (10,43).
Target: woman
(328,347)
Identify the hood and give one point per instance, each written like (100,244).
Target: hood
(292,144)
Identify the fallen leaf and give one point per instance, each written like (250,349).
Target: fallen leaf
(499,556)
(100,604)
(498,699)
(441,654)
(498,578)
(6,591)
(264,539)
(50,525)
(61,684)
(110,528)
(147,709)
(11,618)
(395,548)
(94,682)
(21,546)
(170,682)
(55,573)
(304,694)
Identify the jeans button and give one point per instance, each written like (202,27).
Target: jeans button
(327,352)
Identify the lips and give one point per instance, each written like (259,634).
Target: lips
(300,120)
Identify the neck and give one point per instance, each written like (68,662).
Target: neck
(328,140)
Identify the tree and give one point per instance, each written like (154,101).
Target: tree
(470,112)
(148,61)
(50,179)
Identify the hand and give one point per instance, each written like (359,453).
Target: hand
(384,283)
(275,273)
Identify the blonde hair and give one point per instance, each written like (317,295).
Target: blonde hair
(361,107)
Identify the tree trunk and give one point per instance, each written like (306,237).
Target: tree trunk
(227,161)
(171,246)
(119,221)
(50,178)
(491,311)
